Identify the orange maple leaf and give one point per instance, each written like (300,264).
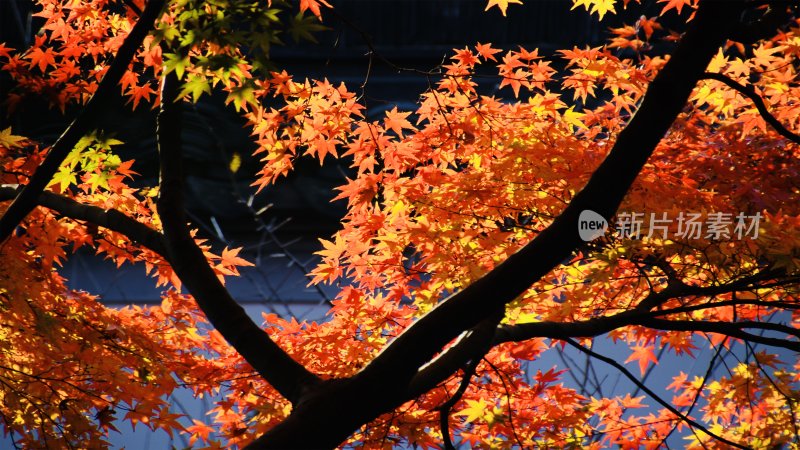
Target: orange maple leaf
(739,67)
(5,52)
(677,382)
(332,250)
(42,58)
(138,93)
(763,56)
(675,4)
(199,430)
(313,5)
(230,258)
(644,354)
(465,57)
(486,51)
(396,121)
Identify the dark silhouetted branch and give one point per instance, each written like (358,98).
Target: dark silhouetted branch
(664,100)
(732,329)
(471,346)
(643,315)
(724,303)
(111,219)
(750,93)
(286,375)
(444,409)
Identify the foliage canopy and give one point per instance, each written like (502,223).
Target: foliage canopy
(459,256)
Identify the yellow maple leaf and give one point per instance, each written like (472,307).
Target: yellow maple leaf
(474,410)
(718,62)
(9,140)
(601,7)
(573,118)
(502,4)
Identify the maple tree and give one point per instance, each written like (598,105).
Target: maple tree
(460,257)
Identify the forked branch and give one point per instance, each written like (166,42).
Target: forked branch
(664,100)
(286,375)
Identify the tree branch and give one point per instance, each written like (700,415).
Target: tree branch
(111,219)
(444,409)
(642,315)
(382,384)
(467,351)
(562,330)
(676,288)
(602,325)
(26,200)
(750,93)
(761,303)
(664,100)
(286,375)
(732,329)
(473,345)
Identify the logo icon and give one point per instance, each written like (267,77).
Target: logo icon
(591,225)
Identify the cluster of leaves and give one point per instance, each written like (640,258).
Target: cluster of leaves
(69,363)
(603,7)
(439,196)
(438,203)
(216,42)
(94,158)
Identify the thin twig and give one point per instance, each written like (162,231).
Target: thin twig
(750,93)
(652,394)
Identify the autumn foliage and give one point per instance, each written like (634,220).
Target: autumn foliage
(467,187)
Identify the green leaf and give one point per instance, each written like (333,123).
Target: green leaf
(64,177)
(196,85)
(98,179)
(302,26)
(216,62)
(272,14)
(175,62)
(83,143)
(241,95)
(105,142)
(164,32)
